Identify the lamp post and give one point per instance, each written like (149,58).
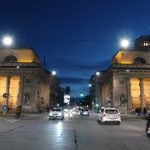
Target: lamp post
(97,90)
(52,88)
(7,41)
(128,89)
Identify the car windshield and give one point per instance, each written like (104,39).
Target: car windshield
(111,111)
(85,109)
(56,109)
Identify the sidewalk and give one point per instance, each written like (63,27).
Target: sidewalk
(130,117)
(24,116)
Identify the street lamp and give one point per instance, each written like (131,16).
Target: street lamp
(124,43)
(7,40)
(81,94)
(90,85)
(97,73)
(53,72)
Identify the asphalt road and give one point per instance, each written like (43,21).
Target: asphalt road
(77,133)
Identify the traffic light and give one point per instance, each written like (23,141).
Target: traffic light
(96,105)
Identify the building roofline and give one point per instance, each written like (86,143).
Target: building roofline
(21,47)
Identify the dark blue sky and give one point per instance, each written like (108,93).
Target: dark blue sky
(78,37)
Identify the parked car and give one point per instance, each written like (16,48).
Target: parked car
(56,113)
(109,115)
(84,112)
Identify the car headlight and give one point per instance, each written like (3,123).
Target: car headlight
(50,114)
(60,114)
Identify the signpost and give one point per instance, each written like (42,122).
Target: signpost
(4,108)
(5,95)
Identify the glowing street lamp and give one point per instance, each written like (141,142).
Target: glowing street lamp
(7,40)
(97,73)
(124,43)
(81,94)
(53,72)
(90,85)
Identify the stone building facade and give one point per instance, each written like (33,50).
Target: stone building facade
(23,79)
(126,83)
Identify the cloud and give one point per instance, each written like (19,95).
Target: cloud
(73,80)
(67,65)
(76,74)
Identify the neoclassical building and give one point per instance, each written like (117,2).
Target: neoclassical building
(126,83)
(23,79)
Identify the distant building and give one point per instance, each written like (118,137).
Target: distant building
(126,83)
(23,79)
(56,92)
(61,95)
(94,89)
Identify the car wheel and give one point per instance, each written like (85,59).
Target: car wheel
(101,122)
(118,123)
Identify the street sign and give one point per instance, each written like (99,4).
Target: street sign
(5,95)
(4,107)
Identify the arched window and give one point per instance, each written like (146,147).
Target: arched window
(10,58)
(139,60)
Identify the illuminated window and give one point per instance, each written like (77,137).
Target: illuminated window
(139,60)
(135,92)
(13,91)
(10,58)
(2,90)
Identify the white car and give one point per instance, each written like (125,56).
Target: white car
(109,115)
(56,113)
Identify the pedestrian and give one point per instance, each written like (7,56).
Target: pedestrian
(47,109)
(18,111)
(138,111)
(144,111)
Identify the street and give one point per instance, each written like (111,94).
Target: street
(77,133)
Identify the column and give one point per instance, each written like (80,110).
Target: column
(129,103)
(142,93)
(7,89)
(20,97)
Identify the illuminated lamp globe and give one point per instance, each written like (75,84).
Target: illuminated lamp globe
(124,43)
(7,40)
(90,85)
(53,73)
(97,73)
